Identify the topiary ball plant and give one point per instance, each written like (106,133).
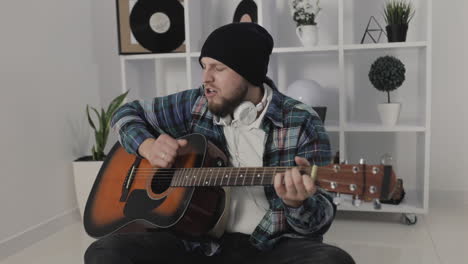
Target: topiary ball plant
(387,74)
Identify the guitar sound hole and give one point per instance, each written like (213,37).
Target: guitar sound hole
(162,180)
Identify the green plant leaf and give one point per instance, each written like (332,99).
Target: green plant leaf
(91,123)
(93,151)
(101,134)
(99,141)
(102,123)
(102,120)
(116,103)
(97,113)
(398,12)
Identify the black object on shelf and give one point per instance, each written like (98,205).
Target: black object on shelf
(336,158)
(397,33)
(321,111)
(246,11)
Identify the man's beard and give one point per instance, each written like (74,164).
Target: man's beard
(228,105)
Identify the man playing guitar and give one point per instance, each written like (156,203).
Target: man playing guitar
(241,111)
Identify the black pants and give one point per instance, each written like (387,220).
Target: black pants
(165,248)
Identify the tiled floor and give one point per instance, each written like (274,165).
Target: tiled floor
(439,237)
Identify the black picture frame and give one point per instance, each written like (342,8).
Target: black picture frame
(123,30)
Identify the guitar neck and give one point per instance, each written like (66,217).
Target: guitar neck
(369,181)
(229,176)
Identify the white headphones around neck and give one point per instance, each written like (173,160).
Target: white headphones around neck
(246,112)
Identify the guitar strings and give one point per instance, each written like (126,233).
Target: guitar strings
(246,168)
(236,170)
(158,176)
(244,179)
(168,175)
(224,173)
(201,184)
(250,174)
(203,172)
(320,180)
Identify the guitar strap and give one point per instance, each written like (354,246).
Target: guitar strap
(386,182)
(398,195)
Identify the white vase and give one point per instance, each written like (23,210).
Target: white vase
(308,35)
(84,173)
(389,113)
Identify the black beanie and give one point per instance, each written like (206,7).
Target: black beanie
(243,47)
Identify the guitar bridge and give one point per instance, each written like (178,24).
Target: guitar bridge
(129,180)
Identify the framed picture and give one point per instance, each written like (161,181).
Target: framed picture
(127,41)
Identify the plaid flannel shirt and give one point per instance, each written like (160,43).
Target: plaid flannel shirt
(292,129)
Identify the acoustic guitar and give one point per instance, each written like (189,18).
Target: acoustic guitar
(191,198)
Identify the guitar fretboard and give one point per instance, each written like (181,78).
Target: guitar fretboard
(228,176)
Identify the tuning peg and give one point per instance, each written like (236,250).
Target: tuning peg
(355,169)
(375,170)
(362,161)
(377,204)
(386,159)
(336,168)
(356,201)
(337,199)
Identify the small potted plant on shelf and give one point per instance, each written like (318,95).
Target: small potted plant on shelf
(398,14)
(387,74)
(305,14)
(86,168)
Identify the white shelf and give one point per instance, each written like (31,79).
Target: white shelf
(195,54)
(376,127)
(332,128)
(153,56)
(395,45)
(305,49)
(288,50)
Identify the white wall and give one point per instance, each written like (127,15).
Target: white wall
(449,105)
(105,52)
(48,73)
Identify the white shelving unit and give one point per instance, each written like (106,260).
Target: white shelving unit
(340,64)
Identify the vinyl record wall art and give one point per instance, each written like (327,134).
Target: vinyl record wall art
(149,26)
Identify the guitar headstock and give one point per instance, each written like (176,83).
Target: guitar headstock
(363,181)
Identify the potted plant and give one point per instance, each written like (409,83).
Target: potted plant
(305,14)
(387,74)
(85,169)
(398,14)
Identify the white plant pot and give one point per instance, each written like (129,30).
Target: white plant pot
(84,173)
(389,113)
(308,35)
